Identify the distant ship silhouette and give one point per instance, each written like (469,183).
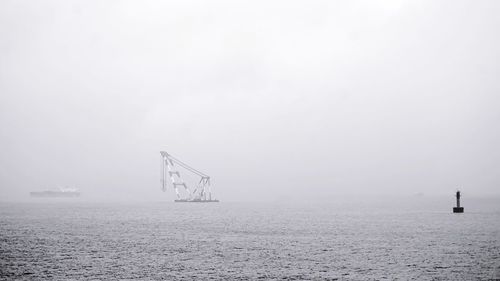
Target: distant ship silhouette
(63,192)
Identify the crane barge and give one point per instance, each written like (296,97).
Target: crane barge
(202,192)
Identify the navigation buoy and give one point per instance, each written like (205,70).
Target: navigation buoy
(458,209)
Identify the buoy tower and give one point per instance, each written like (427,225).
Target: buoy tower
(458,209)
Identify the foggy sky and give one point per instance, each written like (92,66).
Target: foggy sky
(273,99)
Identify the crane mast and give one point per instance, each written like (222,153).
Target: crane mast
(201,193)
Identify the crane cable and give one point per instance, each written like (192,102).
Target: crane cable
(186,166)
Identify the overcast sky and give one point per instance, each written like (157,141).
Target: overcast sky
(273,99)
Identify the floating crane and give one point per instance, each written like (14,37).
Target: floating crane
(202,192)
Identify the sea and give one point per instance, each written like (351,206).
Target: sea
(73,240)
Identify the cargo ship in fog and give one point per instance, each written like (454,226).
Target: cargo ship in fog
(61,193)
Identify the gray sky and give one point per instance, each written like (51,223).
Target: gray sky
(273,99)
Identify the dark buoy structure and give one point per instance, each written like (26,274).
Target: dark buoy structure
(458,209)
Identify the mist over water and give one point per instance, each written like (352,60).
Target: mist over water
(272,100)
(334,133)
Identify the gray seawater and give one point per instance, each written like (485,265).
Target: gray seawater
(230,241)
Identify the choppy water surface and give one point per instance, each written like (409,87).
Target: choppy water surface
(229,241)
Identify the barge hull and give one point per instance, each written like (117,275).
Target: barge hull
(195,201)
